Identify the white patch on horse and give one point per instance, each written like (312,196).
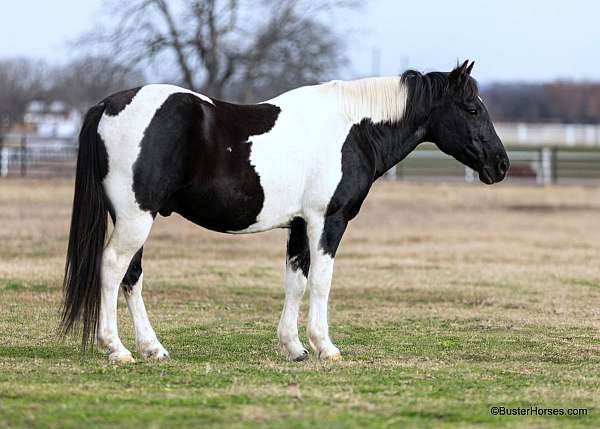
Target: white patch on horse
(294,283)
(319,281)
(308,141)
(122,135)
(145,337)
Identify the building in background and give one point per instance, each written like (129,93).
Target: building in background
(52,120)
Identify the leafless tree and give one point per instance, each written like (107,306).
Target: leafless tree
(228,48)
(86,80)
(79,83)
(21,81)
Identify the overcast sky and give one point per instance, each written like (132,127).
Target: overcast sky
(523,40)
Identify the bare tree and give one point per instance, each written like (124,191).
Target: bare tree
(21,81)
(87,80)
(237,48)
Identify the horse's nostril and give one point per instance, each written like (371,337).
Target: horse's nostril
(503,166)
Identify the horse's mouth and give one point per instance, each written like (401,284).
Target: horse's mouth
(485,177)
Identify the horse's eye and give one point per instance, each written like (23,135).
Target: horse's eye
(472,112)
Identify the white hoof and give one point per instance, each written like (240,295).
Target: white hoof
(328,352)
(121,357)
(331,355)
(294,352)
(293,349)
(153,350)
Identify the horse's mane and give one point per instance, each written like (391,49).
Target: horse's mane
(423,89)
(405,99)
(383,99)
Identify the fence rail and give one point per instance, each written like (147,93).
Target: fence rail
(549,135)
(24,155)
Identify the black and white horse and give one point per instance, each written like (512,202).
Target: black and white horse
(304,160)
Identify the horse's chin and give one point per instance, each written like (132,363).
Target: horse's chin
(485,177)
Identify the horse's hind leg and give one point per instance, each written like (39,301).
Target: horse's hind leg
(145,337)
(296,270)
(128,236)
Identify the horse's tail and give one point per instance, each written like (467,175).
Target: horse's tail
(82,285)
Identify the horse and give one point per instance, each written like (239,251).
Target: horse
(304,160)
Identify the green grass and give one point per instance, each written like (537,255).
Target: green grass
(446,302)
(421,372)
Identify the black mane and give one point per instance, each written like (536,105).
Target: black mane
(424,89)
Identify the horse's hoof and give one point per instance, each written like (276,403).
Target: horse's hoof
(157,355)
(330,356)
(155,352)
(294,351)
(121,358)
(301,357)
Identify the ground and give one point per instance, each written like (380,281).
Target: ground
(447,300)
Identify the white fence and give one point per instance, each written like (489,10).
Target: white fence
(549,135)
(27,155)
(539,153)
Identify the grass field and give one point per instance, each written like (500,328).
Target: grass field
(447,300)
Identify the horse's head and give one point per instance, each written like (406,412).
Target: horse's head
(460,126)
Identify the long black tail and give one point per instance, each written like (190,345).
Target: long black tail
(82,285)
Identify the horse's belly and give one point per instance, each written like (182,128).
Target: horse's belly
(282,177)
(231,205)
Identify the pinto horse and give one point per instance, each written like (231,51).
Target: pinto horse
(304,161)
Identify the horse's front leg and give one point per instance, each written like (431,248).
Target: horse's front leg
(296,271)
(324,235)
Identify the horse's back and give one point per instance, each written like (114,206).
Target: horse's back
(181,151)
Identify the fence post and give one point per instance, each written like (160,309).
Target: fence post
(546,172)
(3,158)
(469,175)
(23,156)
(554,170)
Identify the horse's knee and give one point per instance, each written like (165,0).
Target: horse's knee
(110,259)
(133,273)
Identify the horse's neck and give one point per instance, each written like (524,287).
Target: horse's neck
(382,99)
(376,106)
(390,143)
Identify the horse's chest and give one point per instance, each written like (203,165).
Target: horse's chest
(296,175)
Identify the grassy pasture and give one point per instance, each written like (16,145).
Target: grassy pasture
(447,300)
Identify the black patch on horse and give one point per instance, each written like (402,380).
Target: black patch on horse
(134,271)
(194,160)
(117,102)
(298,253)
(370,149)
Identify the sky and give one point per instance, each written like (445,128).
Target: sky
(509,40)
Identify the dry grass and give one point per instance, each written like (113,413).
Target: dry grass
(492,287)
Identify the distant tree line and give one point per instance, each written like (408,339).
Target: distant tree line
(566,102)
(245,50)
(79,83)
(241,50)
(238,50)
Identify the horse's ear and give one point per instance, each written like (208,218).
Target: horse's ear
(460,75)
(468,71)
